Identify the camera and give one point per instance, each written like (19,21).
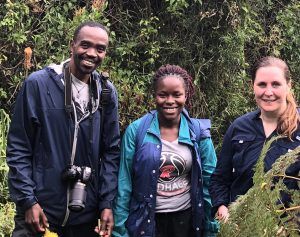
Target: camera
(78,178)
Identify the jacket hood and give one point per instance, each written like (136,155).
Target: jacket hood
(58,68)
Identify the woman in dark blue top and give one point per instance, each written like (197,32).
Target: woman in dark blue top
(276,115)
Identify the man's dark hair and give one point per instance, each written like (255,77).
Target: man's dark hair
(90,24)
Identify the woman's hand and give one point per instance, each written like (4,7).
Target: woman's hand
(222,213)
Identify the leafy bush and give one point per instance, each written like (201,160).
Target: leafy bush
(6,207)
(7,211)
(259,212)
(4,123)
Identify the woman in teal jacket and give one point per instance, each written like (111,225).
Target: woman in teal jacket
(166,162)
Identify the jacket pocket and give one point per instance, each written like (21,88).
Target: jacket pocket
(139,222)
(281,147)
(240,144)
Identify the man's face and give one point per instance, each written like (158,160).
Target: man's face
(88,51)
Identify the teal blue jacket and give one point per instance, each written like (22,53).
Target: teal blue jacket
(208,227)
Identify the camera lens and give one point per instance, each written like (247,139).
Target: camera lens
(77,197)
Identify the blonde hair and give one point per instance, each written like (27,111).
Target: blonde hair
(288,122)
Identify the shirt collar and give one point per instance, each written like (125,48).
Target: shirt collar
(256,114)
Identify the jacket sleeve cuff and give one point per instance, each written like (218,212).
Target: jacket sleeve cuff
(214,211)
(211,228)
(215,208)
(26,204)
(207,233)
(105,205)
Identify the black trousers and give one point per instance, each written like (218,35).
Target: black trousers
(83,230)
(174,224)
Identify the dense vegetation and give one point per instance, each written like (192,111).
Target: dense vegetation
(260,212)
(216,41)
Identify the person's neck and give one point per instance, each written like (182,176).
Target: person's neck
(82,77)
(270,122)
(269,117)
(168,123)
(272,116)
(169,129)
(86,80)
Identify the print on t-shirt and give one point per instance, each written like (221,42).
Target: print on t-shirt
(171,170)
(173,185)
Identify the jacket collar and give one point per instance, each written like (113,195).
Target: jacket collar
(56,73)
(186,135)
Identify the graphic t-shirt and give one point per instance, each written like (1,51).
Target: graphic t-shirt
(174,184)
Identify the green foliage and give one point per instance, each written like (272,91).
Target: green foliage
(178,6)
(216,41)
(44,26)
(7,212)
(134,97)
(289,23)
(140,49)
(260,211)
(4,123)
(6,207)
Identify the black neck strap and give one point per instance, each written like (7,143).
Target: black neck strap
(68,88)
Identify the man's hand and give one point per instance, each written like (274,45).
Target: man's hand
(35,217)
(106,223)
(222,213)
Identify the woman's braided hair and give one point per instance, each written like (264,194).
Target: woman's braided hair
(288,122)
(177,71)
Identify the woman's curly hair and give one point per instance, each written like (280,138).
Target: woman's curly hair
(175,70)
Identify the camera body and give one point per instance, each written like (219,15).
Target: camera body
(78,177)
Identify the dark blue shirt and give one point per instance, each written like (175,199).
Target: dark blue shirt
(240,151)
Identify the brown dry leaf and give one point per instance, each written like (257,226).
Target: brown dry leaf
(27,58)
(98,4)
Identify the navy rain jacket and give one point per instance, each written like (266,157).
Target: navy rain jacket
(39,149)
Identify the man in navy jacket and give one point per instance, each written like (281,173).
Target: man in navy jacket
(56,131)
